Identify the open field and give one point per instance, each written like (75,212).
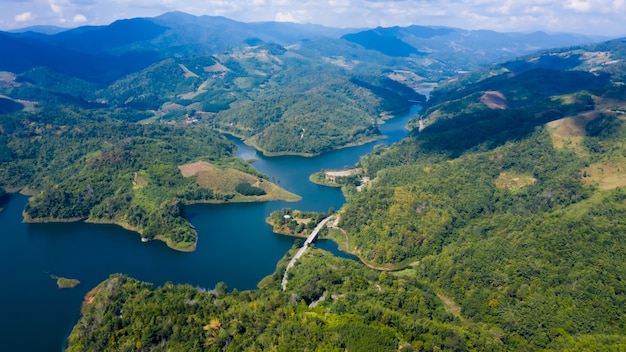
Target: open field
(514,181)
(225,180)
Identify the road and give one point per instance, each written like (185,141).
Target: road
(303,249)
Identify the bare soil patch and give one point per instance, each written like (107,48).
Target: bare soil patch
(513,181)
(188,73)
(140,181)
(216,67)
(192,169)
(494,100)
(451,307)
(343,173)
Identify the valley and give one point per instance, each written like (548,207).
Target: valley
(490,218)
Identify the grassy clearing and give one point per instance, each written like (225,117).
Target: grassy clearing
(225,180)
(140,179)
(569,132)
(514,181)
(607,175)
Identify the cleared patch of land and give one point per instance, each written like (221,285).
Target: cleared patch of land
(226,180)
(342,173)
(188,73)
(451,306)
(607,175)
(193,169)
(140,180)
(216,67)
(494,100)
(513,181)
(342,62)
(569,132)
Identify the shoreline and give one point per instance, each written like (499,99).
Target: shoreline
(277,230)
(247,142)
(131,228)
(187,247)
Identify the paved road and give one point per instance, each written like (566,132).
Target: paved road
(303,249)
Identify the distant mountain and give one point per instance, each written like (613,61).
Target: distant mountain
(48,30)
(596,61)
(25,53)
(127,46)
(441,43)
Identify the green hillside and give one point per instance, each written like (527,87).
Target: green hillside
(499,226)
(78,164)
(277,100)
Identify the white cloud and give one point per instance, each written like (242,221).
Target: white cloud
(583,16)
(24,17)
(55,7)
(79,18)
(579,5)
(285,17)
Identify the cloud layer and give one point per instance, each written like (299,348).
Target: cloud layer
(601,17)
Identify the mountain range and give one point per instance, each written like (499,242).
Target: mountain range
(127,46)
(497,224)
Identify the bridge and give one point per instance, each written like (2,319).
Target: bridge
(312,237)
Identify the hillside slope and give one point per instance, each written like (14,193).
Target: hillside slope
(507,213)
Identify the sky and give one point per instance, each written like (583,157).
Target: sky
(593,17)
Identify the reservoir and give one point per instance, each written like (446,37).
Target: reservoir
(235,246)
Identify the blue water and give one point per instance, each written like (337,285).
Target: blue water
(235,246)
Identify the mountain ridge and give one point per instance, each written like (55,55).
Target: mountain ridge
(176,34)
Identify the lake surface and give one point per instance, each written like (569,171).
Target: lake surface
(235,246)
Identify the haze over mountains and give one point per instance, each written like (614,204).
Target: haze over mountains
(127,46)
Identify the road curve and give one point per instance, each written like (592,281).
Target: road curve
(303,249)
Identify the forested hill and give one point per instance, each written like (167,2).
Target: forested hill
(285,88)
(504,220)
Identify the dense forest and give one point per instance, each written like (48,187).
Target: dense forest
(135,150)
(498,226)
(319,107)
(116,172)
(331,305)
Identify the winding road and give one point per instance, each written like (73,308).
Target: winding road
(303,249)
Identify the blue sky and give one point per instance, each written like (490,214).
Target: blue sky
(598,17)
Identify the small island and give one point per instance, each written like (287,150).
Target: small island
(339,178)
(295,223)
(63,282)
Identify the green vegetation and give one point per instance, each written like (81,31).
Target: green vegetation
(226,180)
(499,226)
(9,106)
(294,222)
(518,231)
(247,189)
(337,178)
(319,106)
(63,282)
(108,172)
(362,310)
